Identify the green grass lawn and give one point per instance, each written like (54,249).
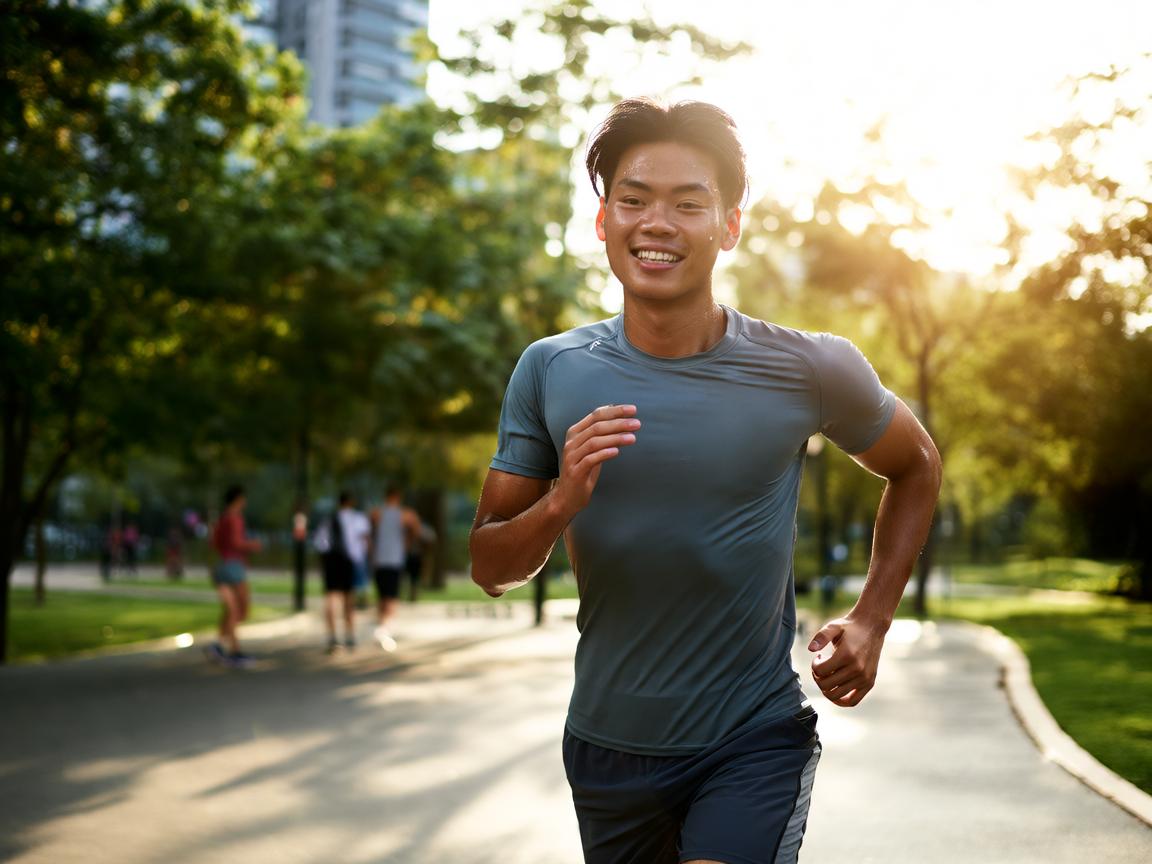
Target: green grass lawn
(1064,574)
(74,621)
(1091,664)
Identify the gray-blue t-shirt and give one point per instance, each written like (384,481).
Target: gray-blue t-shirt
(684,553)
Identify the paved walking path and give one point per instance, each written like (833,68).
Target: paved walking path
(449,751)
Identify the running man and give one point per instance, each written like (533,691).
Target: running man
(230,576)
(666,445)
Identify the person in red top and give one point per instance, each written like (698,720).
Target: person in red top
(229,577)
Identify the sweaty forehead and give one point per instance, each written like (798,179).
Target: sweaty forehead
(667,165)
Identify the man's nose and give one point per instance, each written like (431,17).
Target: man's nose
(657,220)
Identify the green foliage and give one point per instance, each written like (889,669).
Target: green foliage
(568,85)
(125,126)
(1043,392)
(1073,376)
(121,123)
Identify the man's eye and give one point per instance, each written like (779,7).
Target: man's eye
(631,200)
(691,205)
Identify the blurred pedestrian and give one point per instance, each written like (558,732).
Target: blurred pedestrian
(342,541)
(110,553)
(232,547)
(130,546)
(395,524)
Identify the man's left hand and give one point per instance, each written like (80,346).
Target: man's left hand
(847,654)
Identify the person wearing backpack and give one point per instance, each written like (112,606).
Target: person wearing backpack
(342,541)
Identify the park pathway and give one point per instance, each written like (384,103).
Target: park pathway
(448,752)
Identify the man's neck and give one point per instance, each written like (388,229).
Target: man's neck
(676,329)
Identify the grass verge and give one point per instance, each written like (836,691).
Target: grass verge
(1062,574)
(73,621)
(1091,664)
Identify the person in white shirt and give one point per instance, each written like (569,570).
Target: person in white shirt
(342,552)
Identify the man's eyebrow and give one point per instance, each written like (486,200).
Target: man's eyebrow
(683,188)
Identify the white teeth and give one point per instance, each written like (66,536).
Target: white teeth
(662,257)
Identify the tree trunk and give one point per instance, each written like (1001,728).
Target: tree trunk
(17,422)
(1144,563)
(300,531)
(41,560)
(928,553)
(6,569)
(16,512)
(440,523)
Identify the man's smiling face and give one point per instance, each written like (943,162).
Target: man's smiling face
(663,221)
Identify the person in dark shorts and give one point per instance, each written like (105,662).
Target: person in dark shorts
(230,576)
(666,444)
(341,541)
(393,524)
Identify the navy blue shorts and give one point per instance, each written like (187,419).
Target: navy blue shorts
(743,801)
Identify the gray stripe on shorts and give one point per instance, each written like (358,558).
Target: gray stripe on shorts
(789,848)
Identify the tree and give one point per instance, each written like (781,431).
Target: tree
(915,322)
(1075,368)
(122,124)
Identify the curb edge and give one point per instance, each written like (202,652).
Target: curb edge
(1054,744)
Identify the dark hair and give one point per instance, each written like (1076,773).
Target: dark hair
(697,124)
(392,490)
(232,493)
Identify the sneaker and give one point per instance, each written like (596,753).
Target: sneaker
(333,647)
(384,638)
(215,653)
(350,644)
(240,660)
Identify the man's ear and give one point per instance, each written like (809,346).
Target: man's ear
(600,222)
(731,229)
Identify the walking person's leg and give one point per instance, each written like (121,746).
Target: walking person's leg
(242,595)
(229,617)
(350,619)
(243,601)
(387,590)
(332,601)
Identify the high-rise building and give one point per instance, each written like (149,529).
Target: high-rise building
(357,53)
(261,23)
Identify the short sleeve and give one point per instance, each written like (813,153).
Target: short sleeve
(855,408)
(524,445)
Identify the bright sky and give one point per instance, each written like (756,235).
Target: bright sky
(959,85)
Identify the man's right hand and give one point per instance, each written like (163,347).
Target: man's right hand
(589,443)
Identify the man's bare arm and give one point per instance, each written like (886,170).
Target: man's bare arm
(520,518)
(907,458)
